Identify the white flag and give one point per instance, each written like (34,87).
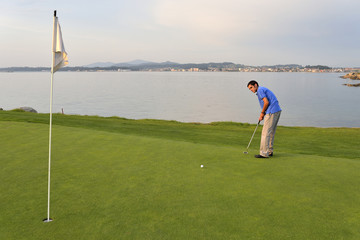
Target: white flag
(60,55)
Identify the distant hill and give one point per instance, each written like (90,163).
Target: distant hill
(142,65)
(284,66)
(111,64)
(25,69)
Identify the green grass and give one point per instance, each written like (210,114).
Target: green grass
(115,178)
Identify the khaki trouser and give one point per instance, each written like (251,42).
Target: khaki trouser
(268,133)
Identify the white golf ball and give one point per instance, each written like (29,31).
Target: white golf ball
(201,166)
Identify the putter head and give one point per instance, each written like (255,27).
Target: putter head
(245,152)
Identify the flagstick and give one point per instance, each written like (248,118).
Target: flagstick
(48,219)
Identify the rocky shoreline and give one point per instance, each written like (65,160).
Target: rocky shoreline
(22,109)
(352,76)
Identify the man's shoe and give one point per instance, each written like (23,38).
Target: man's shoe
(271,154)
(259,156)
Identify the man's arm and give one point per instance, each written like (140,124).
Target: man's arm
(266,105)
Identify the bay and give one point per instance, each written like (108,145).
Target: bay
(307,99)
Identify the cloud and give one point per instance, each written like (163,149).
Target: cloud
(220,20)
(203,20)
(251,32)
(277,30)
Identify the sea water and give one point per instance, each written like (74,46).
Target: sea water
(307,99)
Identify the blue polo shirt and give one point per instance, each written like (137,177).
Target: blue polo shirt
(273,102)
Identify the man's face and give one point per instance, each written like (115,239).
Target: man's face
(253,88)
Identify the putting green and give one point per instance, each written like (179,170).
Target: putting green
(114,185)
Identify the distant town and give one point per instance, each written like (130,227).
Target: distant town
(140,65)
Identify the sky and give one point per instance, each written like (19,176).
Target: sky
(258,32)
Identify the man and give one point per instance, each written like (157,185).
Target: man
(270,113)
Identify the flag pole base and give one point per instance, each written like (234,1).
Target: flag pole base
(47,220)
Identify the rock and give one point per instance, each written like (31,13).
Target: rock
(352,75)
(352,85)
(28,109)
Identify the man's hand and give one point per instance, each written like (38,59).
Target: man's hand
(262,115)
(266,105)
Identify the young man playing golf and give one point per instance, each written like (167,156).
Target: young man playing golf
(270,113)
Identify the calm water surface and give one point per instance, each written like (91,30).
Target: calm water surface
(307,99)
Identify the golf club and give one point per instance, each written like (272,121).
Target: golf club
(246,152)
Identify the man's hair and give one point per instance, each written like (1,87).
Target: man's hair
(252,82)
